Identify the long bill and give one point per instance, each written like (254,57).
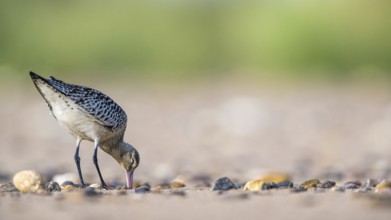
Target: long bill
(129,179)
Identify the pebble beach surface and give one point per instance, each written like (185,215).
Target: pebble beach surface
(323,199)
(221,151)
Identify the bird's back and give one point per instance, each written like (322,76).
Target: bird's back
(76,106)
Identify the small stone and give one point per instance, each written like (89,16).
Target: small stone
(178,182)
(298,189)
(95,185)
(338,189)
(66,183)
(372,182)
(284,184)
(176,185)
(365,189)
(224,184)
(256,185)
(66,187)
(28,181)
(52,187)
(91,192)
(383,186)
(310,183)
(137,184)
(163,186)
(65,177)
(271,185)
(121,188)
(7,187)
(42,192)
(352,185)
(143,189)
(240,185)
(327,184)
(275,177)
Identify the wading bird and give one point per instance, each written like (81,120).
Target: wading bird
(90,115)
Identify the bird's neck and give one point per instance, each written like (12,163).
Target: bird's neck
(115,147)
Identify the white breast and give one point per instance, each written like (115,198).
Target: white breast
(73,117)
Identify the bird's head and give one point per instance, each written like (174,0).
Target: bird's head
(130,160)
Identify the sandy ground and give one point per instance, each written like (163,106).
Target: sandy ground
(216,128)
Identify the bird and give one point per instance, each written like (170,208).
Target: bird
(88,114)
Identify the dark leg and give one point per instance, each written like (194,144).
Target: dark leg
(95,159)
(77,160)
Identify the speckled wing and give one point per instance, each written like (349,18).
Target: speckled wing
(98,105)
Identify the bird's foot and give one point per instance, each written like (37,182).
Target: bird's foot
(104,186)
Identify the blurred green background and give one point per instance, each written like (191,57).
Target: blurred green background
(338,39)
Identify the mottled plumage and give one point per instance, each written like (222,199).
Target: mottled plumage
(95,103)
(89,115)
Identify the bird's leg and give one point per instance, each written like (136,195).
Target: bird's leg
(95,159)
(77,160)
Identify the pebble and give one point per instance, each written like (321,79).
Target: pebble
(310,184)
(383,185)
(7,187)
(256,185)
(91,192)
(224,184)
(352,185)
(338,189)
(121,188)
(372,182)
(143,189)
(365,189)
(136,184)
(275,177)
(240,185)
(297,189)
(28,181)
(52,187)
(66,183)
(284,184)
(65,177)
(163,186)
(326,185)
(178,182)
(66,187)
(95,185)
(176,185)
